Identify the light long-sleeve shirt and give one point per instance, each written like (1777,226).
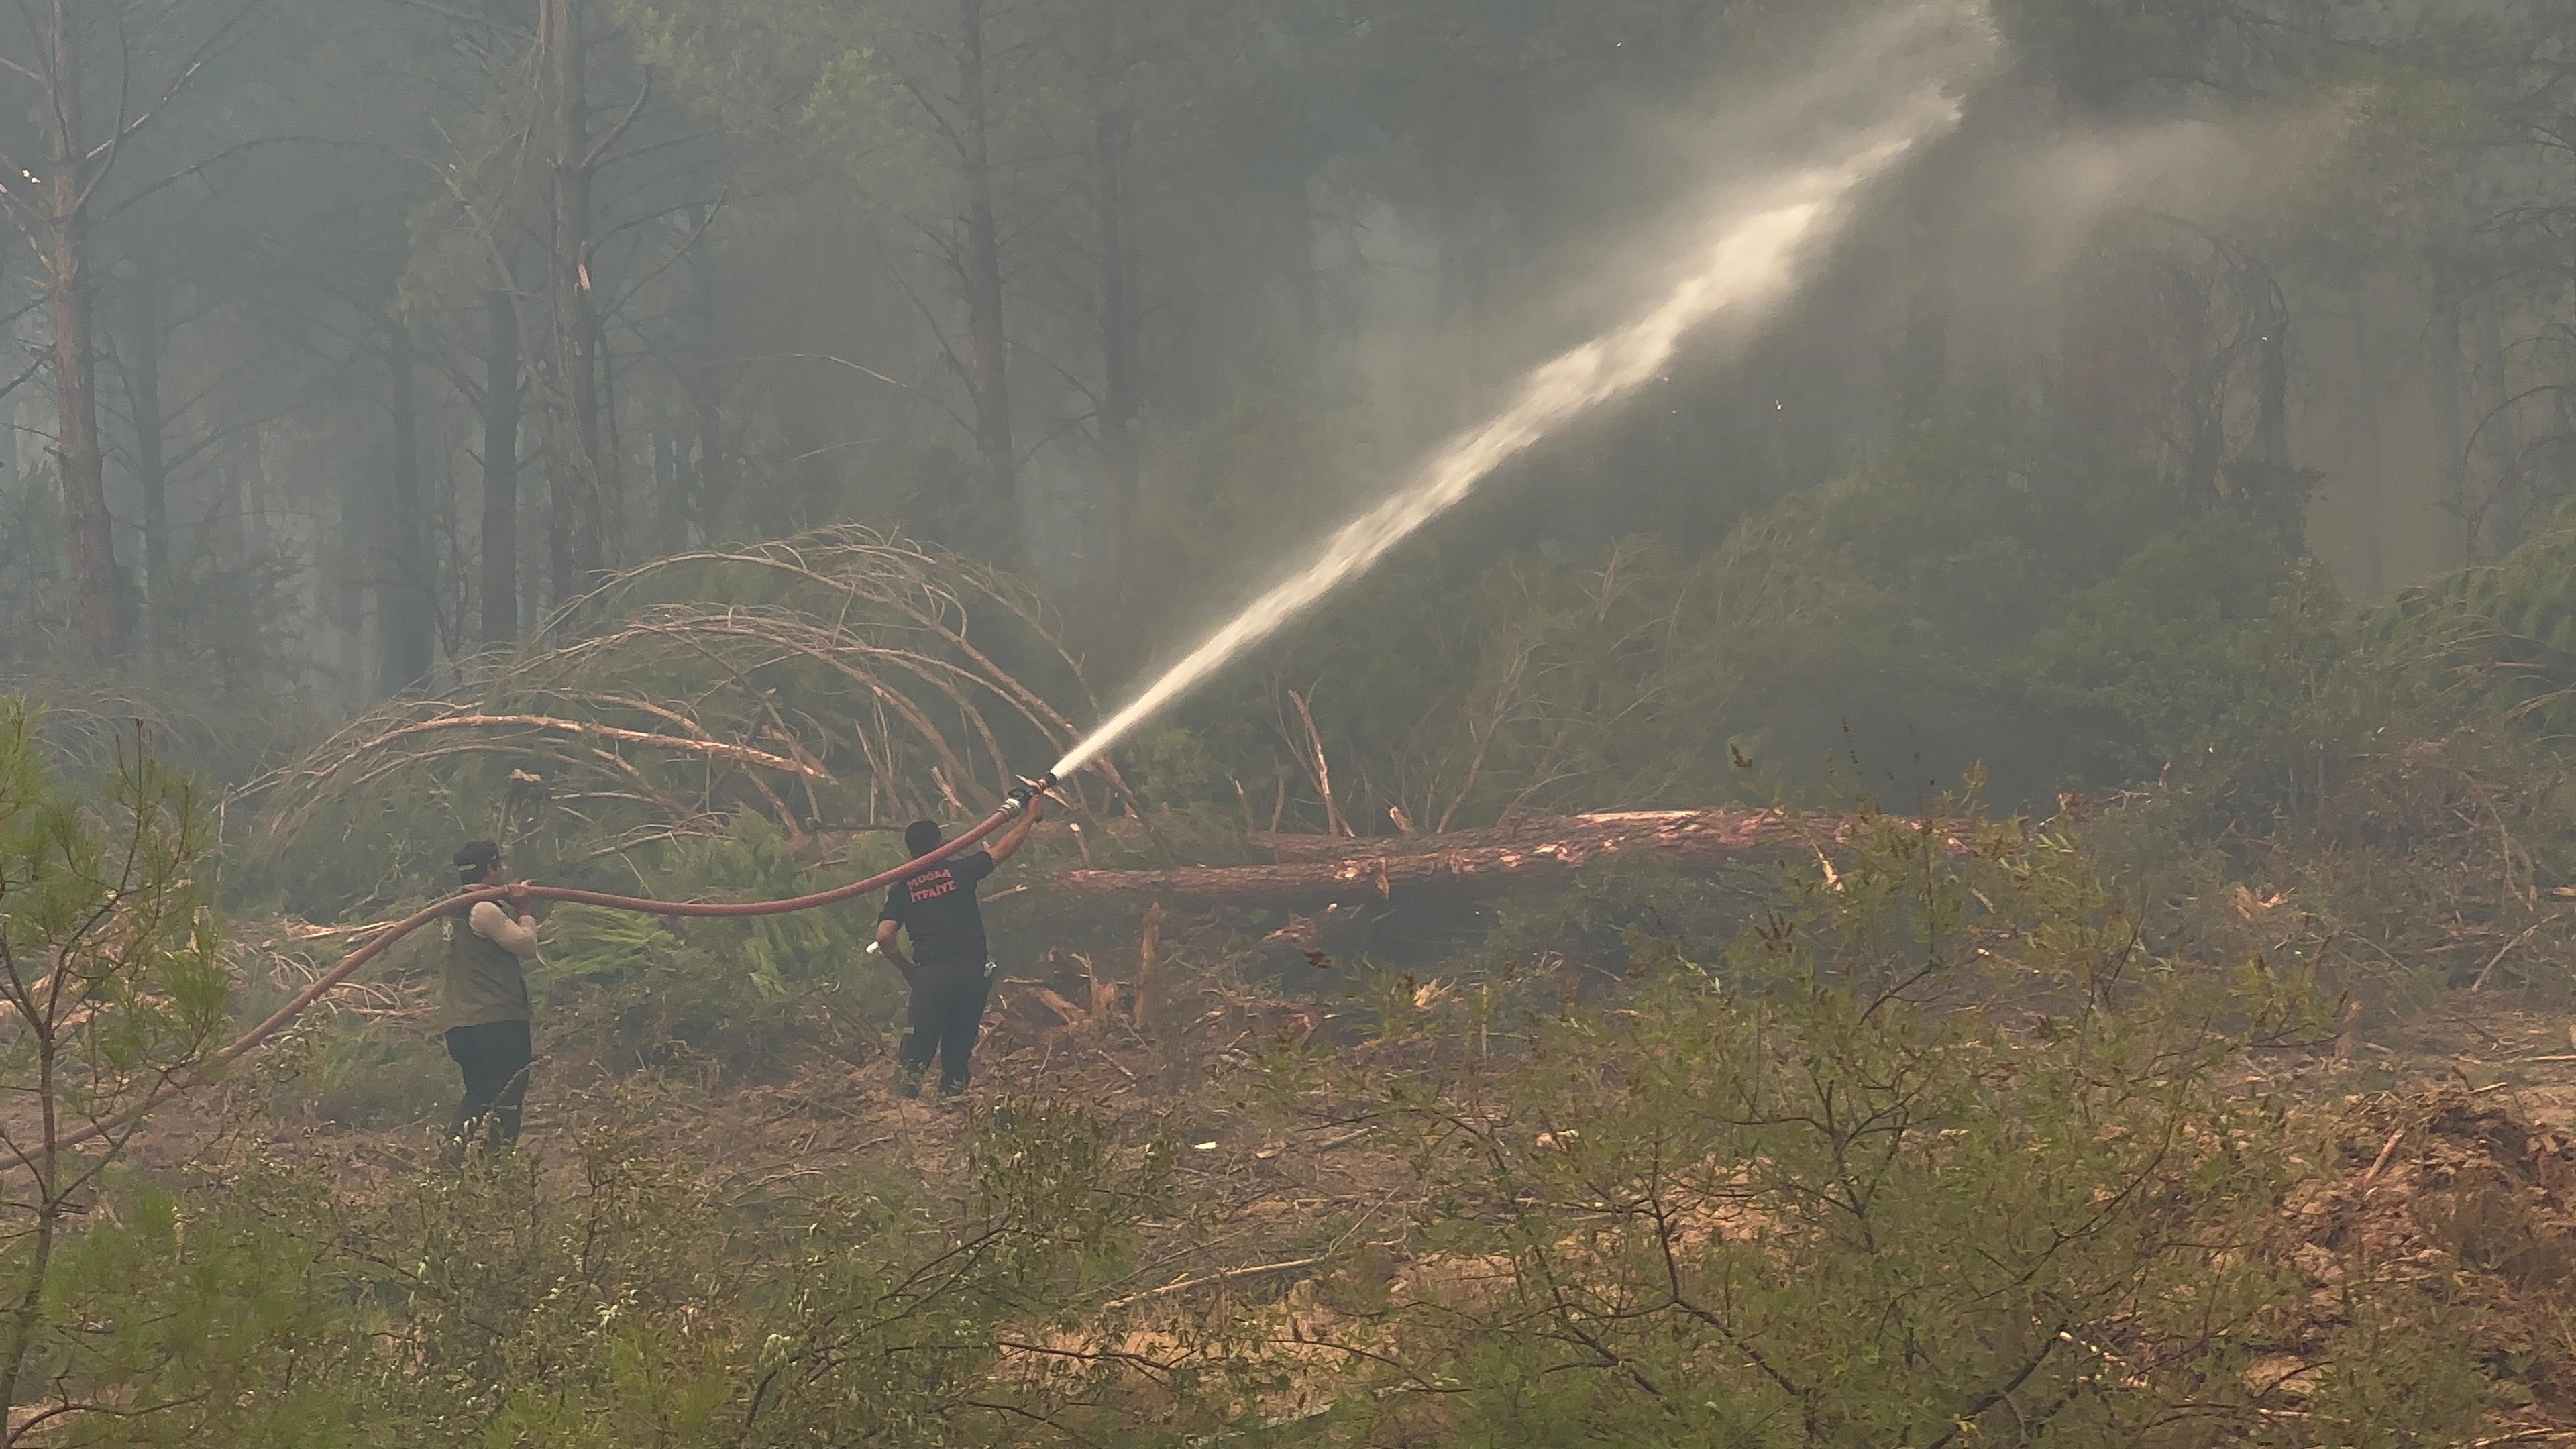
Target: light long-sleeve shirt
(493,924)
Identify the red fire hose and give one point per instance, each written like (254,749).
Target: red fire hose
(1020,799)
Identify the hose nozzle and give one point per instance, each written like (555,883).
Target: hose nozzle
(1026,793)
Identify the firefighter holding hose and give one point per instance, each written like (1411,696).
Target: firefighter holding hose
(951,970)
(487,1002)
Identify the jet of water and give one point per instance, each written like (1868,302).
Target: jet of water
(1750,261)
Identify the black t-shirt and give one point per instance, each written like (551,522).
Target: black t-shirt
(938,908)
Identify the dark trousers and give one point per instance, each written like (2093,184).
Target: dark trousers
(947,1014)
(495,1058)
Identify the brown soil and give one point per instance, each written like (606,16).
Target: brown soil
(2448,1142)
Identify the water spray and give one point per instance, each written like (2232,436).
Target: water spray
(1749,261)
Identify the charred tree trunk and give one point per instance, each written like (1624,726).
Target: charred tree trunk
(98,612)
(2284,497)
(2373,485)
(2272,397)
(1121,329)
(350,602)
(979,266)
(2503,508)
(2450,427)
(409,611)
(500,467)
(576,470)
(1122,323)
(2203,401)
(151,450)
(671,517)
(709,474)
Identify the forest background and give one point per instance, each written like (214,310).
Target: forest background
(360,338)
(688,439)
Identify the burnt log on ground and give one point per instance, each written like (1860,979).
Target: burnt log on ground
(1311,868)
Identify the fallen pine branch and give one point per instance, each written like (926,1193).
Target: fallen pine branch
(1312,868)
(740,754)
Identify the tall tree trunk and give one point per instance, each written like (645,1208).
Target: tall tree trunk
(576,470)
(500,467)
(1121,329)
(2502,434)
(2374,487)
(980,272)
(151,450)
(709,476)
(670,484)
(607,444)
(2285,498)
(352,596)
(408,605)
(2203,419)
(97,588)
(2272,396)
(2450,428)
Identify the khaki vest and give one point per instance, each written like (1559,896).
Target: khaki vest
(485,982)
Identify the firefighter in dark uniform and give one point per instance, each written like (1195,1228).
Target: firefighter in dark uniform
(951,970)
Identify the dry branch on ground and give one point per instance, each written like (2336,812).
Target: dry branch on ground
(1534,850)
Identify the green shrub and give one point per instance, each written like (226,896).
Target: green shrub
(112,985)
(271,1306)
(1937,1154)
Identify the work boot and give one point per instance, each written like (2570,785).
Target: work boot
(907,1084)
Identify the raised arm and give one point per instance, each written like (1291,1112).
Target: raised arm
(1018,835)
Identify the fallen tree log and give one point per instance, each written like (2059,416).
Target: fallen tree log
(1327,868)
